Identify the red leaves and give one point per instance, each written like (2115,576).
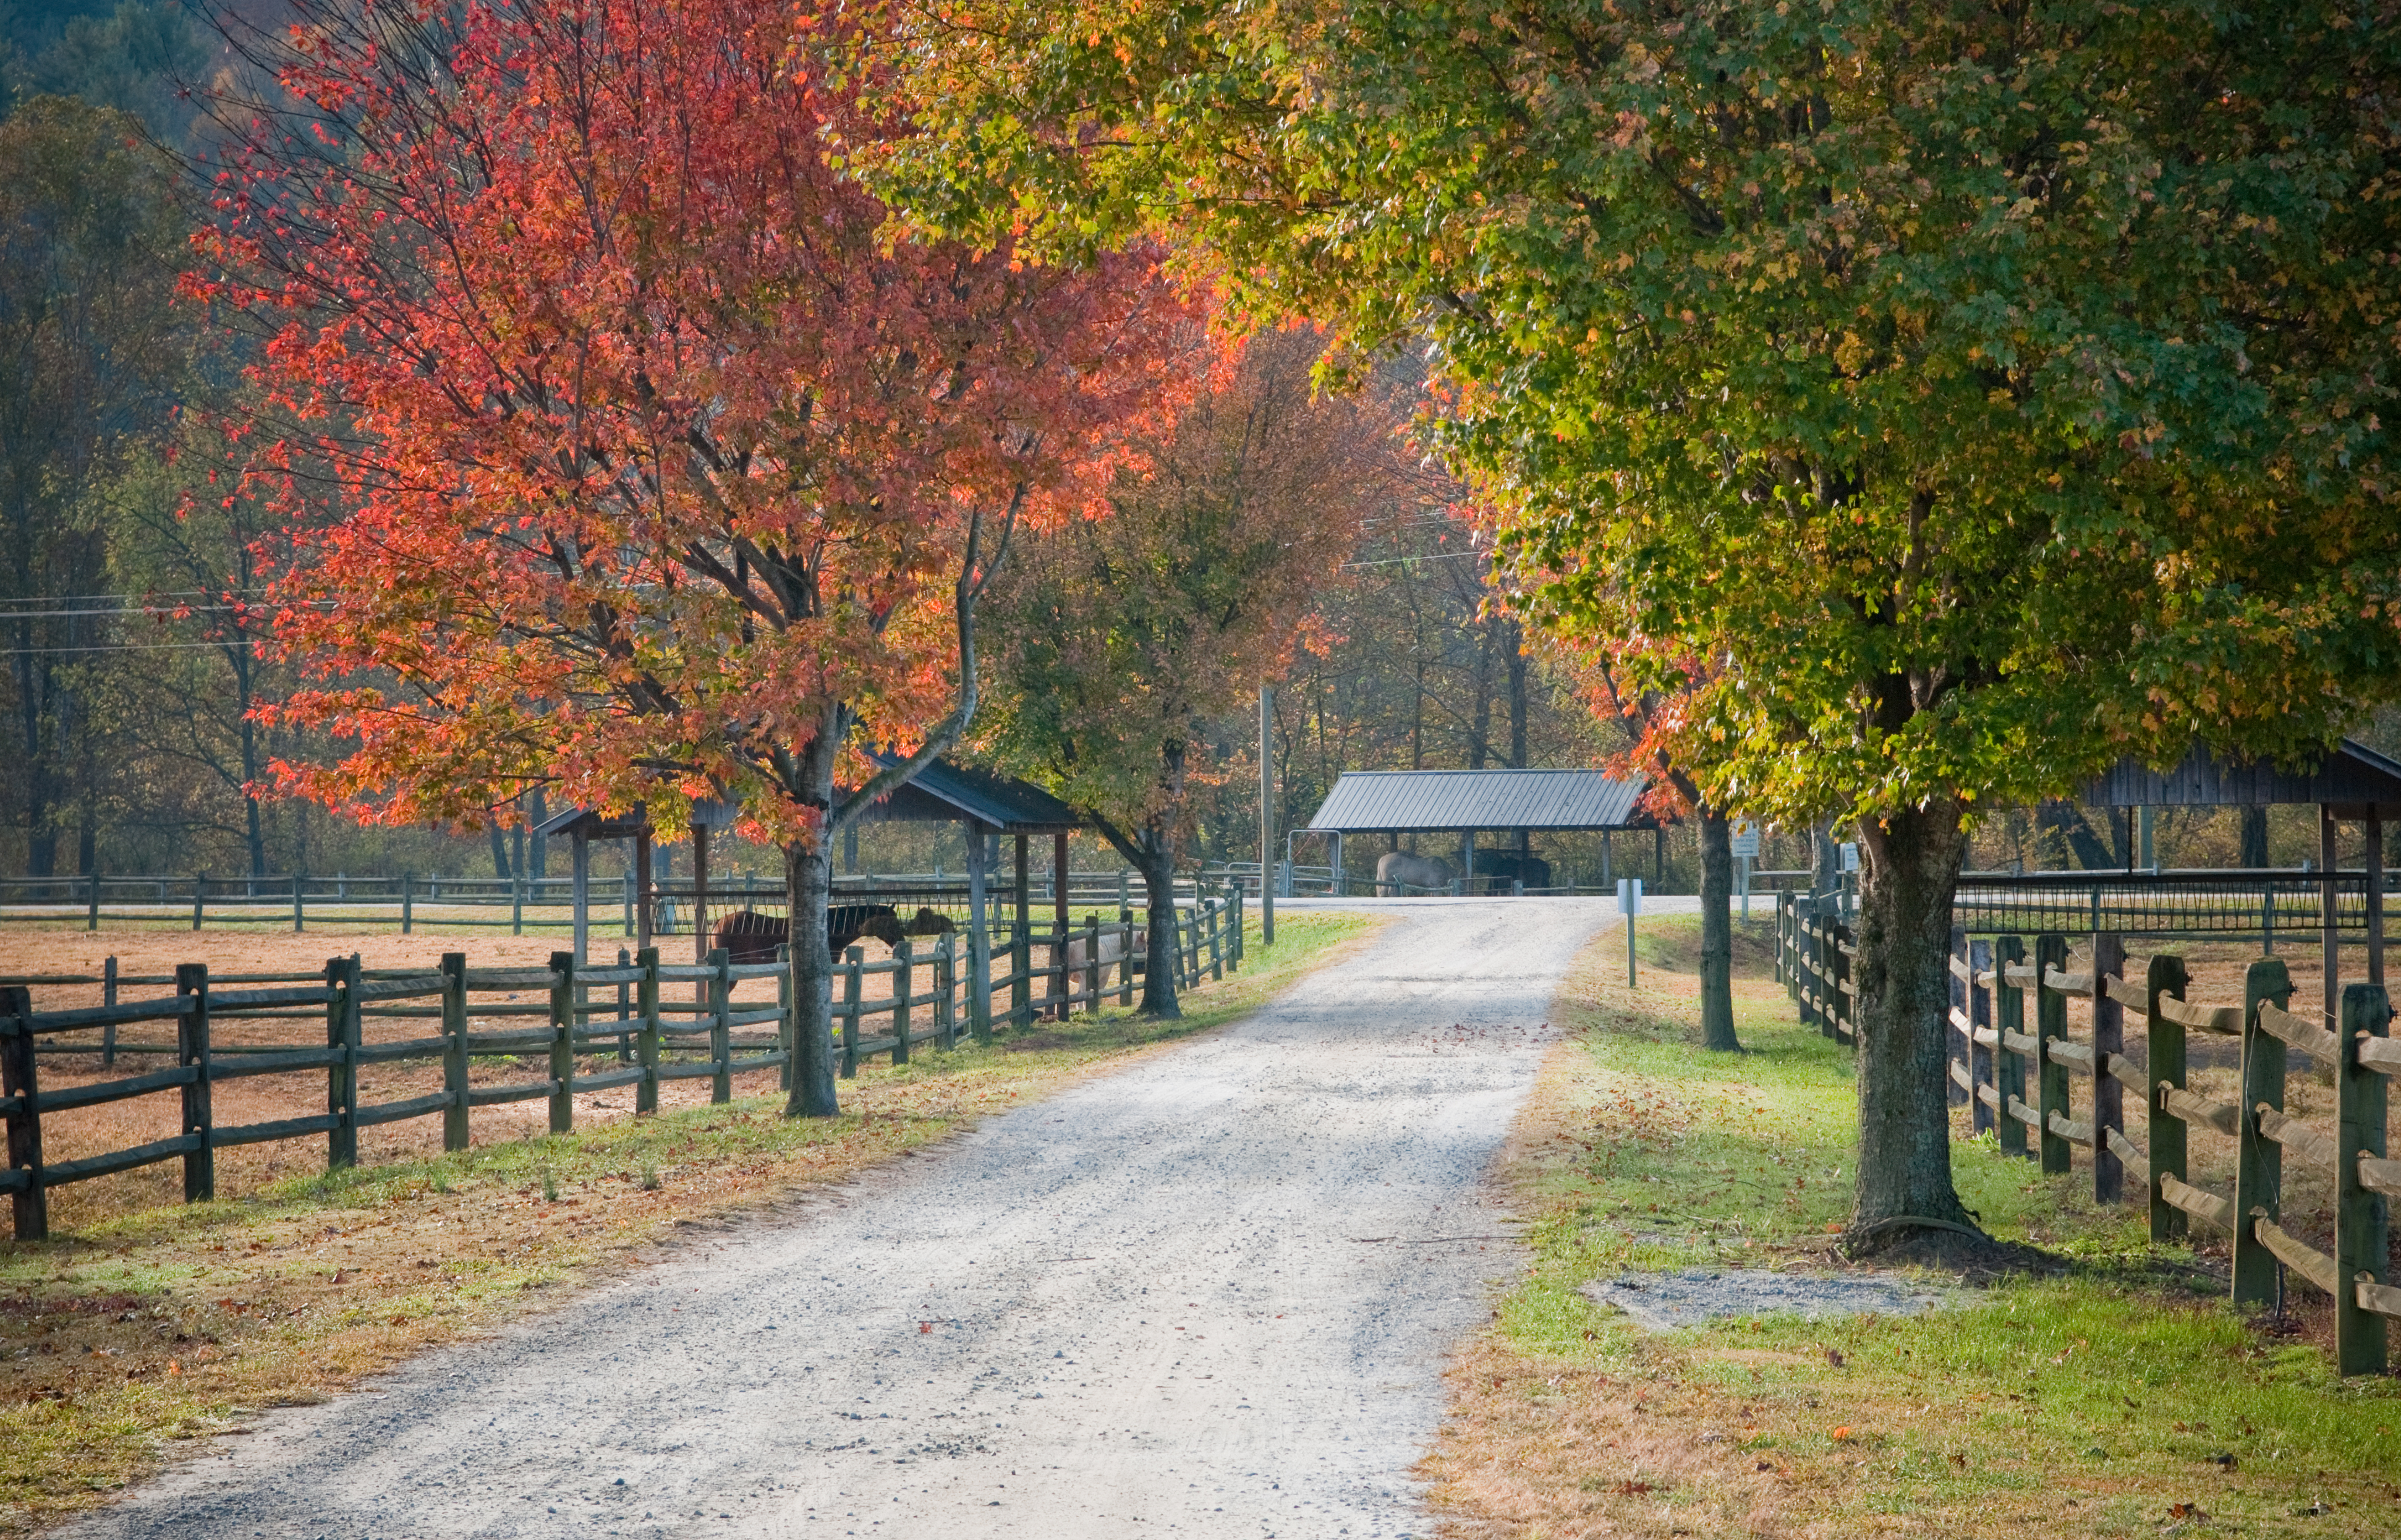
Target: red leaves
(640,453)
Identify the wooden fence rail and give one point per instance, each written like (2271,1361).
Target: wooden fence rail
(2046,1096)
(570,1031)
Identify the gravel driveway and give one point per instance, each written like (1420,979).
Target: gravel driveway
(1208,1295)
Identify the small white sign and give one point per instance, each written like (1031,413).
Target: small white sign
(1629,895)
(1850,856)
(1745,838)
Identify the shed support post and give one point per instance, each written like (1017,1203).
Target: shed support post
(2329,893)
(979,939)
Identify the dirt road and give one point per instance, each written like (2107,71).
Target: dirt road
(1209,1295)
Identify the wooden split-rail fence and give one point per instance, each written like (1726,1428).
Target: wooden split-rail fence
(572,1030)
(2044,1095)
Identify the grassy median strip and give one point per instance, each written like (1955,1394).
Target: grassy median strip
(2111,1392)
(178,1322)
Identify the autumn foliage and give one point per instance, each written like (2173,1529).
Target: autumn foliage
(657,464)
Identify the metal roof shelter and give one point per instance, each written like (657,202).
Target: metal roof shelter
(1427,801)
(945,792)
(1461,801)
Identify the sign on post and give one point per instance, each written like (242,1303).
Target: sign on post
(1629,904)
(1746,850)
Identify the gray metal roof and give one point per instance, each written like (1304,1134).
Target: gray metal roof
(1401,801)
(2351,781)
(947,791)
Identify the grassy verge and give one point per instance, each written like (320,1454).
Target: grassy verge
(2119,1396)
(178,1322)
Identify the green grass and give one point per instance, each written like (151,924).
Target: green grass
(2091,1402)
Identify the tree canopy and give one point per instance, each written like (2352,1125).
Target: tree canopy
(1981,390)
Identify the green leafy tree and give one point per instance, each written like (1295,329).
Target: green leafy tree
(1983,390)
(1124,634)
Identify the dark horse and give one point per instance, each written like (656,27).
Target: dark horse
(750,937)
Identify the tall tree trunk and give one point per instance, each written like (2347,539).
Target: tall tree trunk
(2254,837)
(537,809)
(32,707)
(1154,856)
(1717,933)
(1909,870)
(500,851)
(808,888)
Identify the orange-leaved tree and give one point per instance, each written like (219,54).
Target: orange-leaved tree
(661,466)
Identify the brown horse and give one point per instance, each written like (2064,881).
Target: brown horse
(750,937)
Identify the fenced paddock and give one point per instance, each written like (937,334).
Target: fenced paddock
(2185,1080)
(169,1072)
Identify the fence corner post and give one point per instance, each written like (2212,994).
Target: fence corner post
(192,1053)
(562,1042)
(31,1200)
(646,1004)
(2360,1214)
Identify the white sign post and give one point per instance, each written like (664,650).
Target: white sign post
(1629,904)
(1746,850)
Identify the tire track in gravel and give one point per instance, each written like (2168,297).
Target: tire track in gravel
(1208,1295)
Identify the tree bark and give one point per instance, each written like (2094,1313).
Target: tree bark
(808,888)
(1717,933)
(1156,864)
(2254,837)
(1909,870)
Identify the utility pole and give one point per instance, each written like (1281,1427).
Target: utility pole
(1266,815)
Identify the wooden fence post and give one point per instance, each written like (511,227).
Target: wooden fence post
(1216,938)
(2108,1092)
(2359,1211)
(2165,1135)
(1961,1046)
(946,975)
(516,906)
(192,1053)
(646,1042)
(407,902)
(854,961)
(297,917)
(199,897)
(904,958)
(1234,922)
(454,1049)
(1983,1061)
(342,1075)
(108,997)
(721,1030)
(2009,1020)
(1021,987)
(1843,1005)
(1125,958)
(787,1026)
(2260,1161)
(978,983)
(31,1200)
(562,1041)
(2051,1026)
(1092,964)
(91,914)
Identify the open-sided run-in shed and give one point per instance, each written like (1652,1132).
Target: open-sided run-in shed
(2354,784)
(1465,803)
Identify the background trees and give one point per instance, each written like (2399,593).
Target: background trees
(1123,635)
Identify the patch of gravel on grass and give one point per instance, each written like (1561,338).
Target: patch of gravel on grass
(1664,1301)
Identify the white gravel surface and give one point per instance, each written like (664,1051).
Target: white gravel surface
(1209,1295)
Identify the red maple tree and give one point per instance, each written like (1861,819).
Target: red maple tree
(662,464)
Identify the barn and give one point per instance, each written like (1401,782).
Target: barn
(1508,806)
